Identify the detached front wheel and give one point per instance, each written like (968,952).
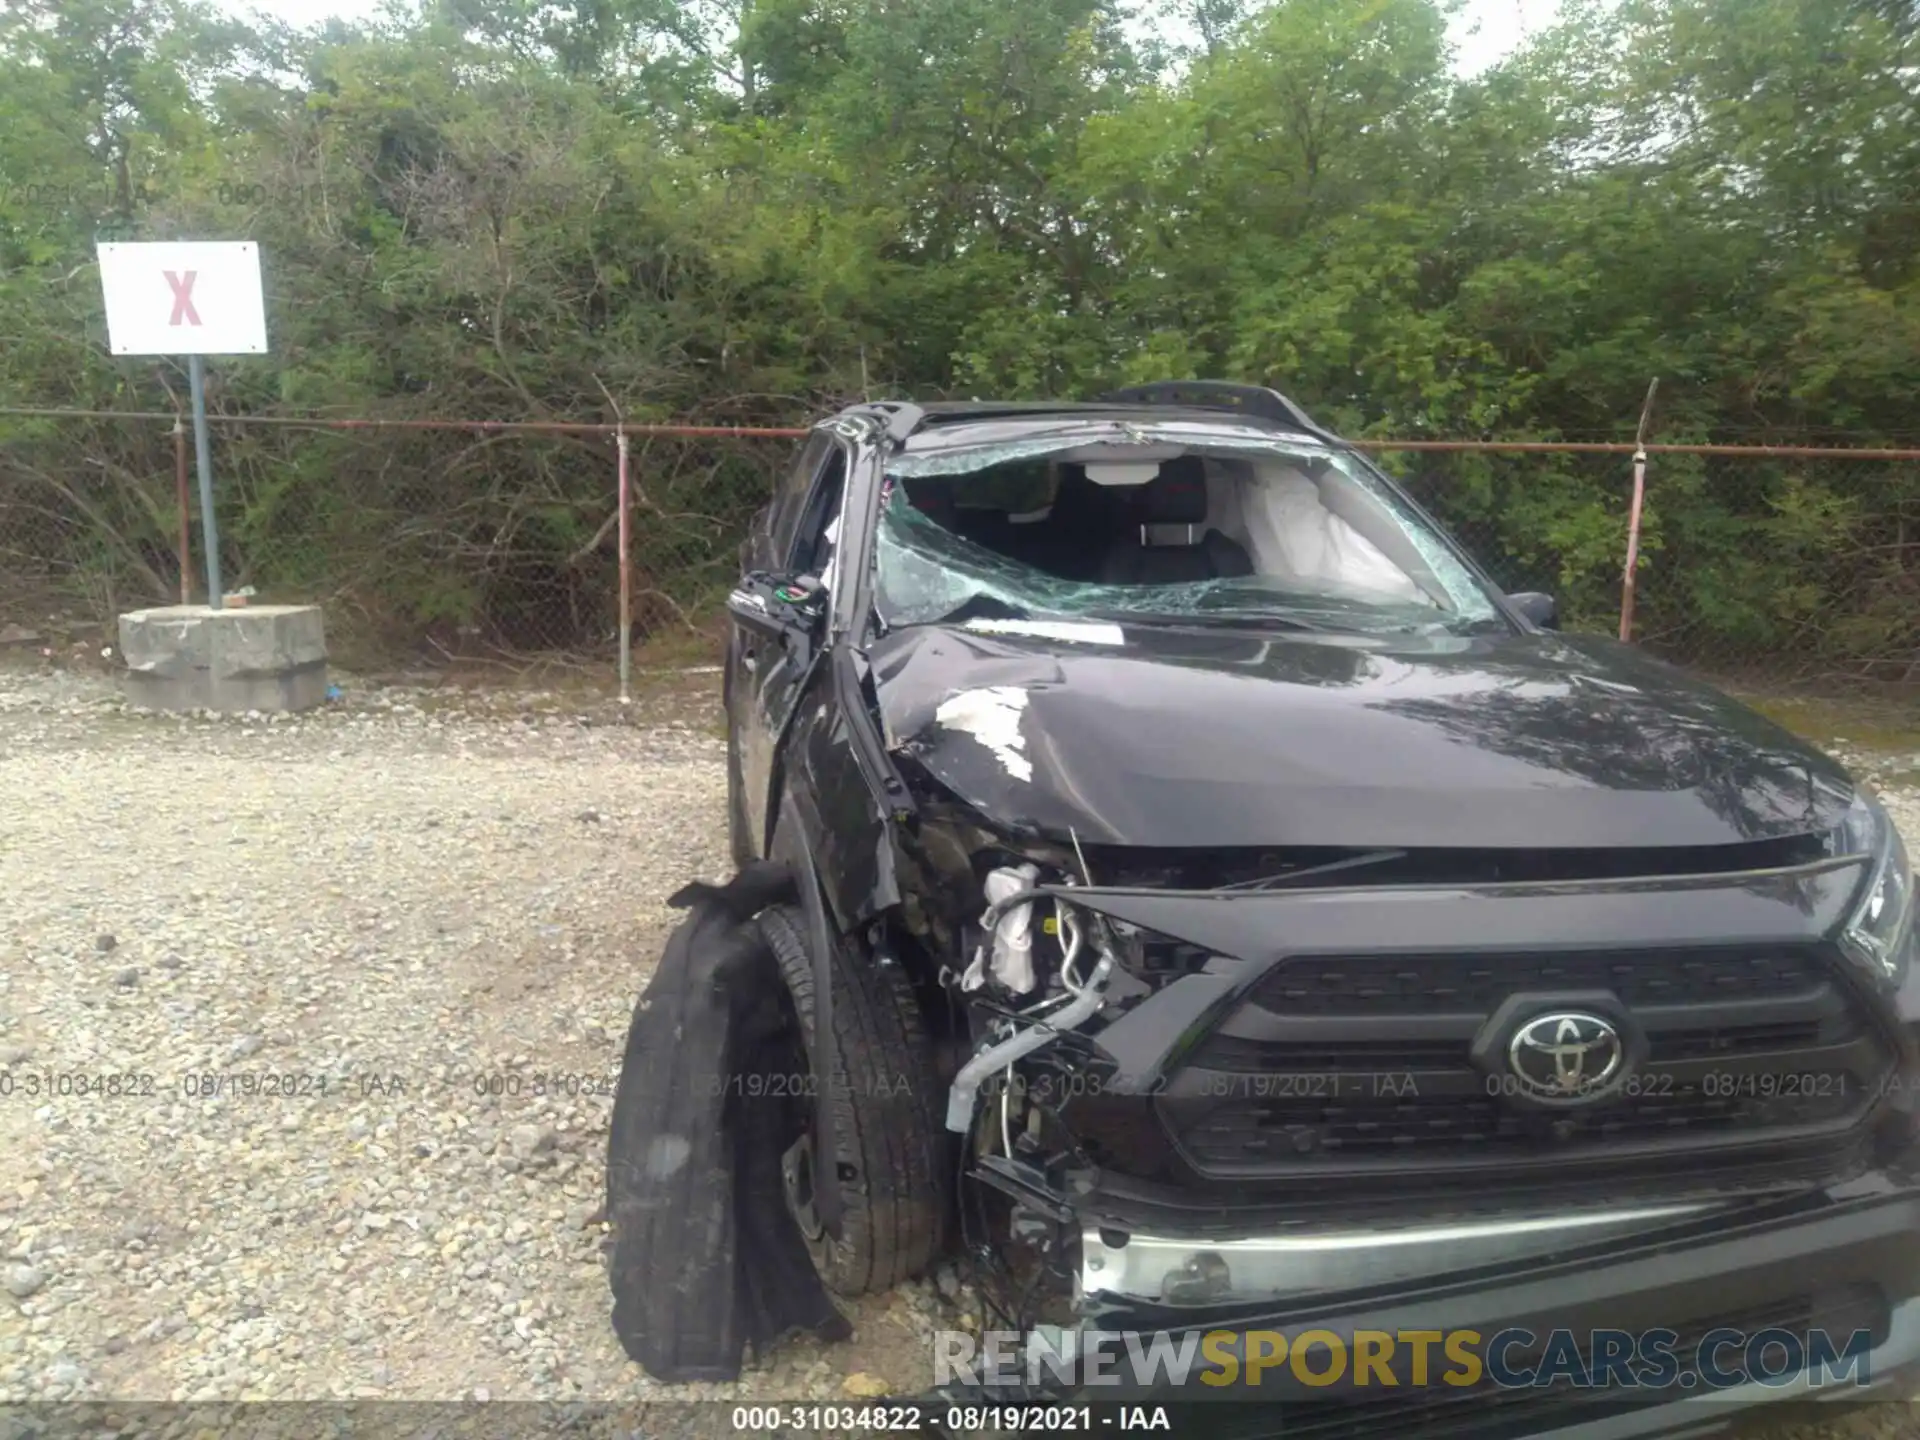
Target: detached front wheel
(885,1149)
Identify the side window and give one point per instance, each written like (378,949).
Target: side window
(794,489)
(819,527)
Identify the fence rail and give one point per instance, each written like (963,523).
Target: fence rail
(450,537)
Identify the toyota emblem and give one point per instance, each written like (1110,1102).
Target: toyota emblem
(1566,1058)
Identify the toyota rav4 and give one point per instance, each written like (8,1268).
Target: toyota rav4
(1222,907)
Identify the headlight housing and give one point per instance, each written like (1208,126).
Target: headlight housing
(1880,932)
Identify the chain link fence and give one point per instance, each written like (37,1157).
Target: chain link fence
(437,545)
(1766,568)
(423,544)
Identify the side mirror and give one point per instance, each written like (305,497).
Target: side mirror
(778,607)
(1536,609)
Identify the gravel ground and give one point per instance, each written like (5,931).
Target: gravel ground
(364,975)
(370,970)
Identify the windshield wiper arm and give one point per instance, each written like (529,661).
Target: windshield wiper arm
(981,606)
(1352,862)
(1481,625)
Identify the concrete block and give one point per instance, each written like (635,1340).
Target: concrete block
(254,657)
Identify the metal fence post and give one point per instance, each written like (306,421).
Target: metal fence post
(1633,543)
(1633,516)
(626,575)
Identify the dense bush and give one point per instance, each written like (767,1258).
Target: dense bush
(742,214)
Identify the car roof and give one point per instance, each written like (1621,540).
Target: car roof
(1231,408)
(957,425)
(996,428)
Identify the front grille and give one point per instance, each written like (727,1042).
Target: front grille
(1228,1052)
(1386,984)
(1488,1412)
(1710,1042)
(1745,1048)
(1236,1134)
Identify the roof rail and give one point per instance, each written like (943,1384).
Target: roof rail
(1219,395)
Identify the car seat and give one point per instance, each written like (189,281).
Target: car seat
(1167,546)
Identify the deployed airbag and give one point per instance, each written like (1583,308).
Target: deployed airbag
(1294,533)
(707,1258)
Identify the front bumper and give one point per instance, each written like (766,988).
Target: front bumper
(1838,1266)
(1118,1267)
(1354,1043)
(1373,1180)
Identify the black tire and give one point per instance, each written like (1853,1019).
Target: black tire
(698,1272)
(660,1256)
(891,1150)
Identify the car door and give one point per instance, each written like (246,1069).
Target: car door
(764,677)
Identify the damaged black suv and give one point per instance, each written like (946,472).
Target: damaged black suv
(1221,907)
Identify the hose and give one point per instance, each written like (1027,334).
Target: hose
(965,1093)
(1071,936)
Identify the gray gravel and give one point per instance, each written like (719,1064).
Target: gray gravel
(357,982)
(354,986)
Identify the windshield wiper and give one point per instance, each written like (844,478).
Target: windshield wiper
(1352,862)
(1481,625)
(980,606)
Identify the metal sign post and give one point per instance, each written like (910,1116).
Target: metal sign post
(210,527)
(194,298)
(626,573)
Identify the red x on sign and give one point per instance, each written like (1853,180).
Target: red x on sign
(182,287)
(183,297)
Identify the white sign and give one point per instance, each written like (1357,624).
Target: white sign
(184,297)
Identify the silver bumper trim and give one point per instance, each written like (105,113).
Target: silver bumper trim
(1178,1271)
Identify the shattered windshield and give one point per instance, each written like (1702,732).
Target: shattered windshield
(1166,523)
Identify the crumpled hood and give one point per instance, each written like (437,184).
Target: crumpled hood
(1160,737)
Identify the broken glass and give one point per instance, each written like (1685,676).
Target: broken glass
(926,573)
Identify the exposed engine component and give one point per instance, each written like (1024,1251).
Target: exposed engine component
(1008,921)
(1076,1012)
(1007,954)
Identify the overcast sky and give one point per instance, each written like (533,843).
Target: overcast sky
(1485,32)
